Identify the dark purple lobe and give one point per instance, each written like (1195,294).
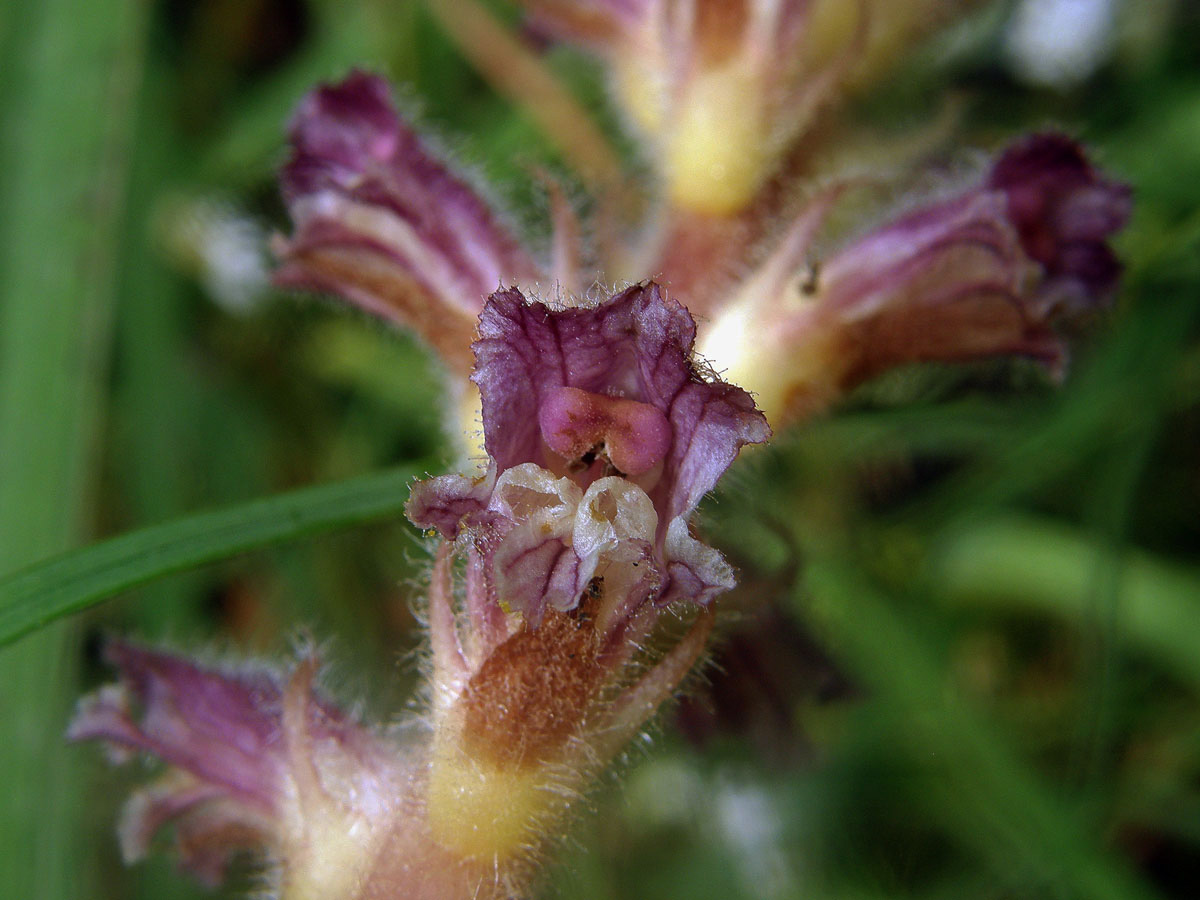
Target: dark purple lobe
(1064,211)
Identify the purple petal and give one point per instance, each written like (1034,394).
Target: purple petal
(635,435)
(383,223)
(443,502)
(949,282)
(223,729)
(696,571)
(710,421)
(990,272)
(534,570)
(633,355)
(1064,211)
(526,351)
(241,748)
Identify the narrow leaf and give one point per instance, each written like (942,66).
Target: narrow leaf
(1035,565)
(34,596)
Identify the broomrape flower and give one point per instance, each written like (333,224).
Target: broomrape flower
(383,223)
(989,271)
(254,759)
(602,434)
(569,595)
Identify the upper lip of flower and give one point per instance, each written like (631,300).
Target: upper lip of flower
(614,367)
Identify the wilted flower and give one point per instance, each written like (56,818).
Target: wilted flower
(990,271)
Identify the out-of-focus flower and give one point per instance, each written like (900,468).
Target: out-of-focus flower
(602,435)
(380,221)
(990,271)
(255,760)
(722,88)
(719,88)
(1060,43)
(261,762)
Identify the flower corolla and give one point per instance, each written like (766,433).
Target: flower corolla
(602,434)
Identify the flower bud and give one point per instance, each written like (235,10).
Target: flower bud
(602,436)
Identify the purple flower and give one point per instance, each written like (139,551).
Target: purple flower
(254,760)
(383,223)
(991,271)
(603,435)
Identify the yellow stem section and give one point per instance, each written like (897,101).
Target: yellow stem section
(482,810)
(716,153)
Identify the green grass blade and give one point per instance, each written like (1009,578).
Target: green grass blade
(1033,565)
(72,72)
(985,797)
(67,584)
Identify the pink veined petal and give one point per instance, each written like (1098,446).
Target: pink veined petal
(383,223)
(442,503)
(589,395)
(223,730)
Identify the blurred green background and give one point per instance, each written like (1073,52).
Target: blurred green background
(965,662)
